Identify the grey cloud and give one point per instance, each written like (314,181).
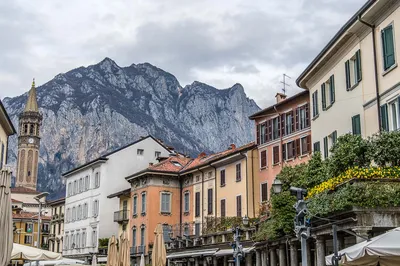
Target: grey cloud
(245,69)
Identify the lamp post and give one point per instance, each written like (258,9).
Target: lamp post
(237,247)
(38,199)
(301,229)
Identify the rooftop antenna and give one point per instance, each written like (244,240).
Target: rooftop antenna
(284,83)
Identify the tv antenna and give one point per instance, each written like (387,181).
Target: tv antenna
(284,83)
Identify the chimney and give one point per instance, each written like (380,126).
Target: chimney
(280,97)
(202,155)
(232,147)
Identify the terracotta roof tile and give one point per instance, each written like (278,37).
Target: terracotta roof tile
(172,164)
(16,201)
(29,215)
(23,190)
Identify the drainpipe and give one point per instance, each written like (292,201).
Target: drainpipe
(378,101)
(180,207)
(202,198)
(280,131)
(215,190)
(252,183)
(247,188)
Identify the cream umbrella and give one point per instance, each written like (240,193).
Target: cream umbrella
(124,254)
(142,260)
(94,260)
(6,223)
(22,252)
(112,257)
(159,255)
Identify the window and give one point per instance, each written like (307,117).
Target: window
(144,203)
(239,206)
(95,208)
(264,192)
(166,232)
(223,208)
(356,124)
(87,183)
(275,128)
(288,151)
(73,214)
(305,145)
(288,123)
(186,230)
(83,239)
(81,188)
(134,205)
(85,210)
(384,117)
(275,155)
(238,172)
(210,201)
(140,152)
(197,178)
(263,159)
(333,137)
(388,47)
(353,70)
(328,92)
(222,174)
(186,204)
(29,227)
(197,229)
(209,174)
(302,117)
(66,241)
(142,236)
(69,189)
(28,239)
(197,204)
(79,216)
(157,154)
(165,202)
(97,180)
(317,146)
(326,151)
(78,240)
(94,238)
(134,236)
(262,134)
(75,187)
(315,104)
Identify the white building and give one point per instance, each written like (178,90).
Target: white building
(88,212)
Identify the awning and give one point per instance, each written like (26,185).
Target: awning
(192,253)
(227,252)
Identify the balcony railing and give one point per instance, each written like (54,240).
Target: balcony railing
(121,216)
(138,250)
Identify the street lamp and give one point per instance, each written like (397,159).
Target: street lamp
(301,229)
(38,199)
(237,247)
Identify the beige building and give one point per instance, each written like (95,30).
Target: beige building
(354,80)
(56,225)
(6,129)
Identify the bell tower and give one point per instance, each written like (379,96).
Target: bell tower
(30,121)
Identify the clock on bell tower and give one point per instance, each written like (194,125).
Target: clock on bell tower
(30,121)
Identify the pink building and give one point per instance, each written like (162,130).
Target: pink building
(283,137)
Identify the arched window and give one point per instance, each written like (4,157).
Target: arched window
(32,129)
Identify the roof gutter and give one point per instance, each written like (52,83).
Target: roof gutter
(378,100)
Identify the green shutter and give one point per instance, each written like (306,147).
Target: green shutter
(316,147)
(347,68)
(332,88)
(334,136)
(388,47)
(316,103)
(326,147)
(356,125)
(358,66)
(384,118)
(323,96)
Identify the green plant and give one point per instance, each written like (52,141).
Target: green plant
(103,242)
(385,148)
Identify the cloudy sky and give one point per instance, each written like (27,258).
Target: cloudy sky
(223,42)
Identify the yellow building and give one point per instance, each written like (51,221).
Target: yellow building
(56,225)
(26,227)
(122,217)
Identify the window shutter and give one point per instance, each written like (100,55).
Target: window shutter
(297,118)
(307,110)
(239,206)
(258,134)
(263,159)
(358,62)
(269,127)
(316,103)
(384,118)
(210,201)
(326,151)
(388,47)
(347,69)
(356,125)
(276,154)
(309,143)
(296,148)
(332,88)
(323,96)
(197,204)
(317,147)
(223,212)
(283,152)
(283,131)
(264,192)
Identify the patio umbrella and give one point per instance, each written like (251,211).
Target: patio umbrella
(124,253)
(159,255)
(6,223)
(112,257)
(142,260)
(22,252)
(94,260)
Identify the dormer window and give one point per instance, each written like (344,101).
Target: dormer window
(140,152)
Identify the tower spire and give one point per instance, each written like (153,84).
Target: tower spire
(31,104)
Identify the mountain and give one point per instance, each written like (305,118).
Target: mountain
(89,111)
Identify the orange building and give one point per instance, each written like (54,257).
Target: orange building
(283,136)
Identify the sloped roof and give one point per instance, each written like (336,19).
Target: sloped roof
(23,190)
(31,103)
(16,201)
(29,215)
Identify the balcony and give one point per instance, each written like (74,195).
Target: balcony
(121,216)
(138,250)
(45,231)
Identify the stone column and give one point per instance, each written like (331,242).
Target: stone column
(249,259)
(282,255)
(196,261)
(320,250)
(341,241)
(215,261)
(258,257)
(294,260)
(272,254)
(225,261)
(361,231)
(309,253)
(263,257)
(204,261)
